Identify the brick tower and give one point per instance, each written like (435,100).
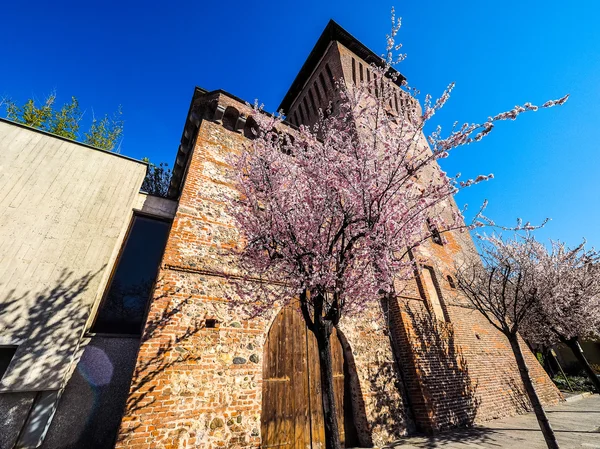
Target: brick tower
(208,376)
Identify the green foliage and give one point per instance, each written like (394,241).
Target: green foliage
(65,122)
(31,115)
(105,132)
(579,383)
(157,179)
(540,358)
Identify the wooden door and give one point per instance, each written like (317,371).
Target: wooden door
(292,408)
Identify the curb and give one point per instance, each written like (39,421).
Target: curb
(578,397)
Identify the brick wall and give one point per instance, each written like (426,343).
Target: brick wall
(198,381)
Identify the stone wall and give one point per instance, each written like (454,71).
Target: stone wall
(198,380)
(196,384)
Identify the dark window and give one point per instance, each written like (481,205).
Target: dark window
(435,234)
(124,307)
(6,355)
(451,281)
(211,323)
(360,70)
(354,71)
(230,118)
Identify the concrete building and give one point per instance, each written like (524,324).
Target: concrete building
(114,303)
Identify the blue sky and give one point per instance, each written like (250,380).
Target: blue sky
(148,56)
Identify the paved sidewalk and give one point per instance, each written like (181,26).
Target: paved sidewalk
(576,424)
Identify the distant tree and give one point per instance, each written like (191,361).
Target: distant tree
(157,179)
(505,288)
(568,306)
(65,122)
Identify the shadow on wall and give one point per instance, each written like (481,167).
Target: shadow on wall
(392,415)
(355,417)
(168,352)
(439,387)
(47,327)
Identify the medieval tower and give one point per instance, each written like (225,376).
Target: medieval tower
(207,376)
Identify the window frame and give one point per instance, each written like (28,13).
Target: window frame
(136,213)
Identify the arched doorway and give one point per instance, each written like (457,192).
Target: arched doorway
(292,410)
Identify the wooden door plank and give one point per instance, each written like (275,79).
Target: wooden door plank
(337,356)
(315,395)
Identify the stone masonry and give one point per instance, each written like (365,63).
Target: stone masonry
(198,379)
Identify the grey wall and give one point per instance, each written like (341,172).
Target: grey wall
(89,411)
(14,408)
(64,210)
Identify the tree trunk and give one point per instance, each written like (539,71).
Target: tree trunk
(332,435)
(540,414)
(573,345)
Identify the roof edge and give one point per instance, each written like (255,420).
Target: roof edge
(333,32)
(66,139)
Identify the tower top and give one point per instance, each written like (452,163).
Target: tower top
(333,32)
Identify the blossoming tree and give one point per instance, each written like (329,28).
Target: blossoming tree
(329,212)
(569,308)
(506,288)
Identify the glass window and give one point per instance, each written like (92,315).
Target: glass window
(124,307)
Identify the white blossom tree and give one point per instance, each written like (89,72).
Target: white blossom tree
(505,286)
(329,212)
(569,307)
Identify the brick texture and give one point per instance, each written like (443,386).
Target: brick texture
(198,380)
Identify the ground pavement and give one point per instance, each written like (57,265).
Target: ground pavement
(576,424)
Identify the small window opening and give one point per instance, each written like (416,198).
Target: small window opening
(435,234)
(360,70)
(354,71)
(330,75)
(301,113)
(211,323)
(319,99)
(451,282)
(312,100)
(323,84)
(307,109)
